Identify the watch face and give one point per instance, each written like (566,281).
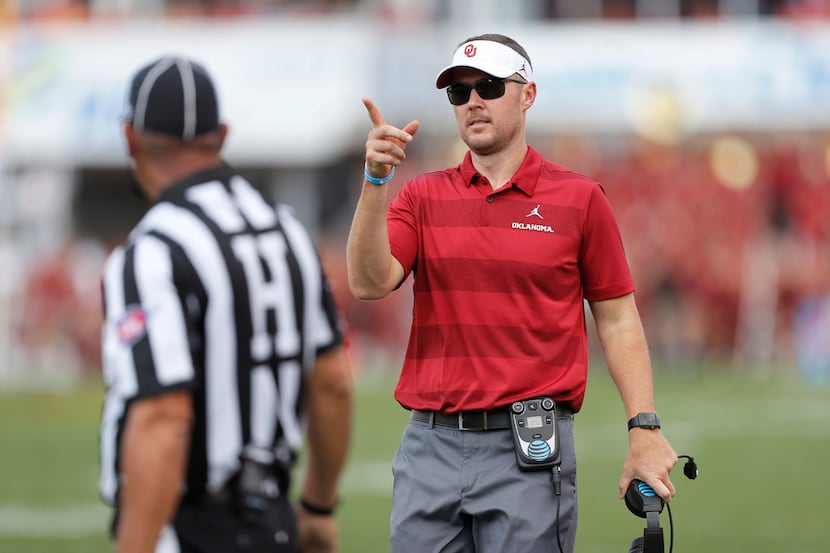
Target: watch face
(648,419)
(645,420)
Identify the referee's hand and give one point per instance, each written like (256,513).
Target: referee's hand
(317,533)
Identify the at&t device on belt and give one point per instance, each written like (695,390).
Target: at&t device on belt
(534,433)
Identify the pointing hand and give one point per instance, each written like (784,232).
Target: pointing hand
(386,145)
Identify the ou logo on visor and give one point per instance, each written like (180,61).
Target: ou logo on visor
(470,50)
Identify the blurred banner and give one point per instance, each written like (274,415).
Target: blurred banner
(291,88)
(290,91)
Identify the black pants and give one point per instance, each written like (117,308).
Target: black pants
(204,527)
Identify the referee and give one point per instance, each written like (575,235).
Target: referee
(221,348)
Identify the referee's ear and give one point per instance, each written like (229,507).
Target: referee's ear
(222,131)
(132,140)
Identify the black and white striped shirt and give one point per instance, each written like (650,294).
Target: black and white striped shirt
(221,293)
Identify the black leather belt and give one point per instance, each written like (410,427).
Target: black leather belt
(476,421)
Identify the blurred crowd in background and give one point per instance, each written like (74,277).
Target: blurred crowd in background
(728,233)
(728,237)
(414,11)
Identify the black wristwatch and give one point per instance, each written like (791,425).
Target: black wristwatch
(644,420)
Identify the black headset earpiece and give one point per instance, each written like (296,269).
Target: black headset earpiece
(643,501)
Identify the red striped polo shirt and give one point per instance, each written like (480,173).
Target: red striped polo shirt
(499,282)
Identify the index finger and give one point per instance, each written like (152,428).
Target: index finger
(374,113)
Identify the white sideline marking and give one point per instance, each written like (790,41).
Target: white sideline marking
(69,521)
(369,477)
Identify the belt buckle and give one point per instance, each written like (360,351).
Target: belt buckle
(464,428)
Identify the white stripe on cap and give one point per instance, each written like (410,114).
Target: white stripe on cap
(144,91)
(189,89)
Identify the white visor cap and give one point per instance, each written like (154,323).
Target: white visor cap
(493,58)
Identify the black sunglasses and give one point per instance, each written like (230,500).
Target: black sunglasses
(488,88)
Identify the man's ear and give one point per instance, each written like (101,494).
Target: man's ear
(529,95)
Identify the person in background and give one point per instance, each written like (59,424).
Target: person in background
(222,349)
(503,249)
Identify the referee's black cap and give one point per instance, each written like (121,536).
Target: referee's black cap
(173,95)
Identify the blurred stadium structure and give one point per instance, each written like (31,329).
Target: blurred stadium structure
(707,122)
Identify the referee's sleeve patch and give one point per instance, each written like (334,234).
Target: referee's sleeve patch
(132,326)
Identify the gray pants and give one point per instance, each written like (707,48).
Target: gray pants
(462,492)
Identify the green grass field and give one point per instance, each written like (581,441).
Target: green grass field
(762,446)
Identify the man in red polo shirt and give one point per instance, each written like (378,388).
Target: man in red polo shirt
(503,248)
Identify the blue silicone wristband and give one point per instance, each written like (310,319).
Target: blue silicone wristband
(375,180)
